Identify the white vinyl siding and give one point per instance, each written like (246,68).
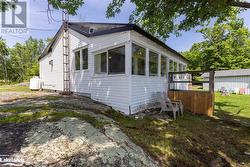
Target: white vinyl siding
(127,87)
(230,83)
(52,79)
(144,88)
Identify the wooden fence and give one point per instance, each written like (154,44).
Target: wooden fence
(195,101)
(200,102)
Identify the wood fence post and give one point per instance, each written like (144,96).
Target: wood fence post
(211,81)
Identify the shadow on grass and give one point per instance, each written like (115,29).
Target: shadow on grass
(192,140)
(221,111)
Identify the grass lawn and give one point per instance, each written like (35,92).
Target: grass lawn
(14,88)
(192,140)
(189,141)
(196,140)
(236,107)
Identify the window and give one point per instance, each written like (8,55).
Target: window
(77,60)
(51,65)
(138,60)
(180,67)
(153,63)
(184,67)
(101,63)
(163,66)
(85,59)
(116,60)
(171,65)
(175,66)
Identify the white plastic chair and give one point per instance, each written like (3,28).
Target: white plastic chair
(176,102)
(168,106)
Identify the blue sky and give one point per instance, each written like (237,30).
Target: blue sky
(93,11)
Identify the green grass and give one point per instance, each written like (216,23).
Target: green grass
(14,88)
(237,105)
(192,140)
(51,116)
(21,109)
(233,107)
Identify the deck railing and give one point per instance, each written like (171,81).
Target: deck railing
(200,102)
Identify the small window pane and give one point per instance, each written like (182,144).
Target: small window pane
(153,63)
(138,60)
(101,63)
(77,60)
(184,67)
(171,66)
(163,66)
(175,66)
(85,59)
(116,60)
(180,67)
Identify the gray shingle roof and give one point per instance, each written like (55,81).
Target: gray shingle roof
(230,73)
(108,28)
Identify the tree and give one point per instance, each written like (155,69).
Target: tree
(226,45)
(24,59)
(3,60)
(162,17)
(70,5)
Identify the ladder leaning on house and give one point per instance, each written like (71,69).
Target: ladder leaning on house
(66,65)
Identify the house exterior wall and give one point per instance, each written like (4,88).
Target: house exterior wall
(109,89)
(124,92)
(52,77)
(144,88)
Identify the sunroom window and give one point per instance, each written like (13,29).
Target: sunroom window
(163,66)
(101,63)
(138,60)
(153,63)
(171,65)
(85,59)
(77,60)
(175,66)
(116,60)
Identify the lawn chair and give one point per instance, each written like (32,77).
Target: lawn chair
(168,107)
(175,102)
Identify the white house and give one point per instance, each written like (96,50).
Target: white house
(120,65)
(231,80)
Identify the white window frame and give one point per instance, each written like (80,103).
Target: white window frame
(146,50)
(106,51)
(166,63)
(76,70)
(81,65)
(82,58)
(157,62)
